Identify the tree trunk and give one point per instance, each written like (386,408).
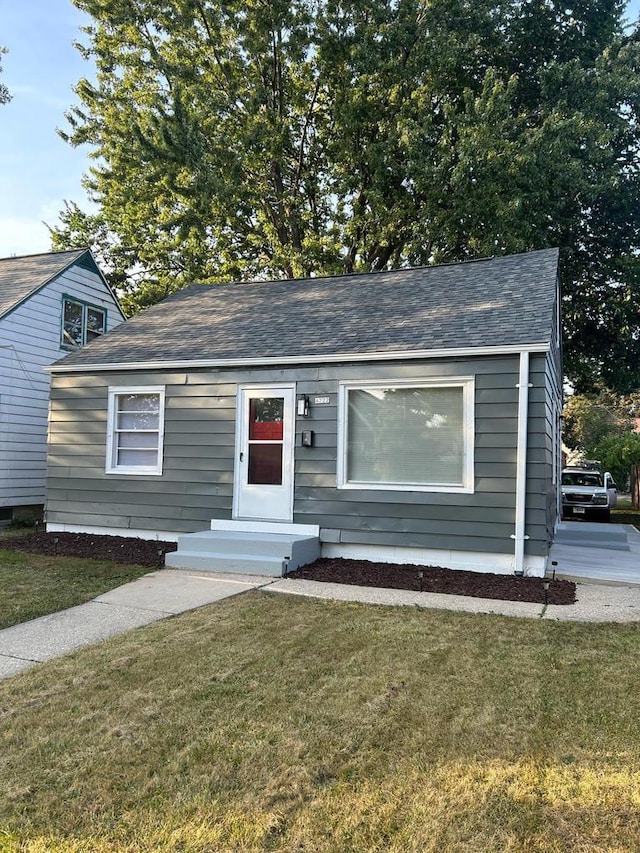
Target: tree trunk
(635,486)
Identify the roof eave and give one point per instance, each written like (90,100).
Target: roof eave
(332,358)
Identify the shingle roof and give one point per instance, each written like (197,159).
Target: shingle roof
(23,276)
(499,301)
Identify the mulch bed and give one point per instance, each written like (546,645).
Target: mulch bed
(150,553)
(434,579)
(120,549)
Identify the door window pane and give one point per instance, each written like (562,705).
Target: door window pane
(265,464)
(266,419)
(406,436)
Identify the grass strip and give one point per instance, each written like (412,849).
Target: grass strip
(626,515)
(33,585)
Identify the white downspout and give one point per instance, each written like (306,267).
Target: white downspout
(521,462)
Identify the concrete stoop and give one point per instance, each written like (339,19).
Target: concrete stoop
(247,549)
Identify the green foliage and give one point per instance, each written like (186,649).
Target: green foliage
(601,427)
(5,97)
(618,453)
(592,418)
(245,140)
(630,404)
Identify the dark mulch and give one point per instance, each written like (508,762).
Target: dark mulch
(434,579)
(144,552)
(120,549)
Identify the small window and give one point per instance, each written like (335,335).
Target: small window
(135,430)
(81,323)
(407,437)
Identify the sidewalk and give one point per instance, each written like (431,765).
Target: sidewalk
(596,602)
(168,592)
(155,596)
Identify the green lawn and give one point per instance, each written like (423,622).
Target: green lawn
(274,723)
(625,514)
(32,585)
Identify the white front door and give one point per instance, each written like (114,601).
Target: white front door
(263,485)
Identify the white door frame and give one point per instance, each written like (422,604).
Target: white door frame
(283,511)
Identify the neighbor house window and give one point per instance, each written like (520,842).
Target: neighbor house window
(135,430)
(407,436)
(81,323)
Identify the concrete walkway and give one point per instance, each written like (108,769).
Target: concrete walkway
(150,598)
(168,592)
(596,602)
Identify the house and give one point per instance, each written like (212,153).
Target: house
(50,304)
(409,415)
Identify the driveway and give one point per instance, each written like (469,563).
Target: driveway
(597,552)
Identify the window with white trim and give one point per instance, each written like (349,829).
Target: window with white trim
(135,430)
(81,323)
(407,436)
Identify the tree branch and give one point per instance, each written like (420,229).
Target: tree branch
(303,138)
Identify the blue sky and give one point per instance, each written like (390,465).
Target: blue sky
(38,171)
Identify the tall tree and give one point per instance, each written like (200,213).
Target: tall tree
(590,419)
(264,138)
(602,426)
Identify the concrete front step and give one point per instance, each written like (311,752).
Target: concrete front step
(243,525)
(241,563)
(258,544)
(271,554)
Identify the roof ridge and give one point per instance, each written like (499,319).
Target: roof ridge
(339,276)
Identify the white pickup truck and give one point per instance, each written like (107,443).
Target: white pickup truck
(588,493)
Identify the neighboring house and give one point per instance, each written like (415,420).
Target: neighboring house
(50,304)
(410,416)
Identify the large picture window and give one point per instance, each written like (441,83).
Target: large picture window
(135,430)
(81,323)
(413,437)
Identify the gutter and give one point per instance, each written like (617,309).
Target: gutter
(519,536)
(270,361)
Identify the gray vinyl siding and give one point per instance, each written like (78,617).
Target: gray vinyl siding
(539,459)
(197,480)
(30,340)
(553,411)
(483,521)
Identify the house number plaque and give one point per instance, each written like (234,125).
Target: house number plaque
(321,401)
